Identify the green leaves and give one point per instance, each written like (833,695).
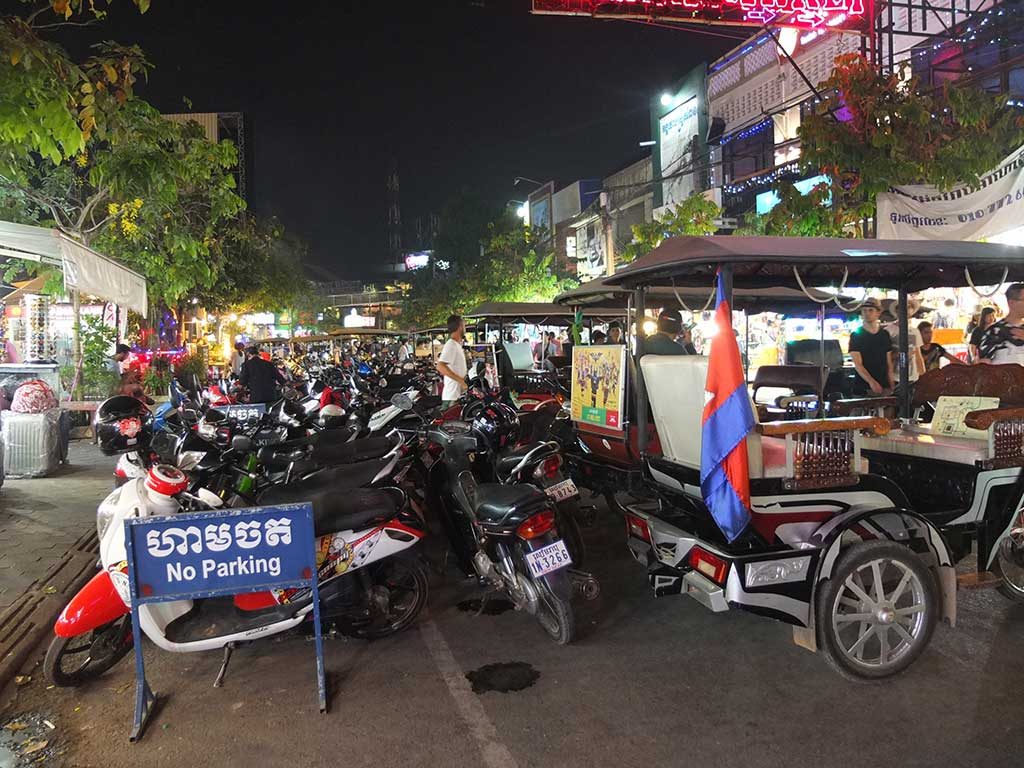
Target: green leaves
(892,133)
(694,216)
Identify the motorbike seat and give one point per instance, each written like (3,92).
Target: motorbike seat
(333,452)
(334,509)
(495,503)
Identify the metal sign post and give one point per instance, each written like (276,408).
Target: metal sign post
(212,554)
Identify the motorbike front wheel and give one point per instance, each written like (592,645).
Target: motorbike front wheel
(72,661)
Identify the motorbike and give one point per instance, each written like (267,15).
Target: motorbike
(507,534)
(372,582)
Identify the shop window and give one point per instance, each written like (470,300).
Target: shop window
(745,156)
(787,124)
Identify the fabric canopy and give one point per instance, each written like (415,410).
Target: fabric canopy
(84,269)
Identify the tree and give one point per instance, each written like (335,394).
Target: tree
(511,268)
(876,130)
(50,104)
(814,214)
(694,216)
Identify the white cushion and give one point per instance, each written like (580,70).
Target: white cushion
(675,388)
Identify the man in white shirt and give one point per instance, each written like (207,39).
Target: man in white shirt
(1003,341)
(403,351)
(916,360)
(451,363)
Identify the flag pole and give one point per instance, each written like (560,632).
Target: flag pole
(640,300)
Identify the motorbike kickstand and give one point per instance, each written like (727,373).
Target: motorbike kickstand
(484,598)
(219,681)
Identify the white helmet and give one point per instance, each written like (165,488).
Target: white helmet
(332,415)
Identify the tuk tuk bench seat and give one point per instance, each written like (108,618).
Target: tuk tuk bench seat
(810,451)
(920,442)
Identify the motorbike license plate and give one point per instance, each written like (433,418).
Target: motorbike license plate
(562,491)
(548,559)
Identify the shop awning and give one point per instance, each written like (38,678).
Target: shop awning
(84,269)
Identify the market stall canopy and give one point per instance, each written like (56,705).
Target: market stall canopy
(84,269)
(534,313)
(760,262)
(601,294)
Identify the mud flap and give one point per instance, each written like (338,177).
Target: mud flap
(665,580)
(947,585)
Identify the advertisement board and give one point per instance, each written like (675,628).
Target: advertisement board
(676,131)
(598,384)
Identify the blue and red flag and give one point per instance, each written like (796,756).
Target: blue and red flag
(728,419)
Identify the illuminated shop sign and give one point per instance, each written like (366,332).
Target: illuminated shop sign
(812,14)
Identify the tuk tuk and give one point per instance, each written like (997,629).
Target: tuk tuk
(841,541)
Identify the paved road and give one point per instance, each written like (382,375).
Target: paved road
(650,682)
(42,518)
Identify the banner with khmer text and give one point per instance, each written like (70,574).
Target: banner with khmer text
(992,207)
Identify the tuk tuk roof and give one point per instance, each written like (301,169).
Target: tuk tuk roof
(601,293)
(760,262)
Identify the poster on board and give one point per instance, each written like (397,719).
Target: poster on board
(598,384)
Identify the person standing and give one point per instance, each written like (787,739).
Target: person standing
(451,363)
(238,359)
(403,351)
(871,351)
(615,333)
(916,361)
(985,321)
(933,354)
(1003,341)
(670,323)
(260,377)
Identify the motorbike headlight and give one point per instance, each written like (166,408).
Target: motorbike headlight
(206,431)
(188,460)
(105,512)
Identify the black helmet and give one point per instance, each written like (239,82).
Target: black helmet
(123,424)
(496,423)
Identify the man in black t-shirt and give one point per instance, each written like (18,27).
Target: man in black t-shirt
(871,351)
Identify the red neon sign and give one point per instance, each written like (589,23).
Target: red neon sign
(805,14)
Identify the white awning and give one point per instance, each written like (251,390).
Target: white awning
(84,269)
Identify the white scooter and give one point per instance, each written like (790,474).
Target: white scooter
(371,584)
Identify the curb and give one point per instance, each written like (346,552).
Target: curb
(29,619)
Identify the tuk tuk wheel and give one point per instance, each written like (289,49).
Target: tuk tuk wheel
(1010,567)
(876,614)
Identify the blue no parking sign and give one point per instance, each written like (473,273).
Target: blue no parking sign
(210,554)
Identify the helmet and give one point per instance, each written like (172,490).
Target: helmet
(123,424)
(495,423)
(332,416)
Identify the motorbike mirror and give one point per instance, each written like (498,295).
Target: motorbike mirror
(402,402)
(383,382)
(242,444)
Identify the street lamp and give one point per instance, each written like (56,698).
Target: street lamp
(522,211)
(667,99)
(527,179)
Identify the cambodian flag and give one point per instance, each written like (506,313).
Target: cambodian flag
(728,418)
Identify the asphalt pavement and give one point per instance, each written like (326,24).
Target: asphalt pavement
(649,682)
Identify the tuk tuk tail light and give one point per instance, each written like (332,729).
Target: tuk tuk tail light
(709,565)
(637,526)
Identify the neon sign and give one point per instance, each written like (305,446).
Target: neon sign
(849,15)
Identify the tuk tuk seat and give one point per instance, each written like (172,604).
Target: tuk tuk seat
(675,388)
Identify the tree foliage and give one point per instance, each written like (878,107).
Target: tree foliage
(511,266)
(49,103)
(876,131)
(807,215)
(694,216)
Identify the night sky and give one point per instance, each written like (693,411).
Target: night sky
(461,92)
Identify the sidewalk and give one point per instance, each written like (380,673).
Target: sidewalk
(48,548)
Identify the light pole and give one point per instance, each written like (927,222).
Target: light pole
(517,179)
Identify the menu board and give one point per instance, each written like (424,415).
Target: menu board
(598,384)
(950,411)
